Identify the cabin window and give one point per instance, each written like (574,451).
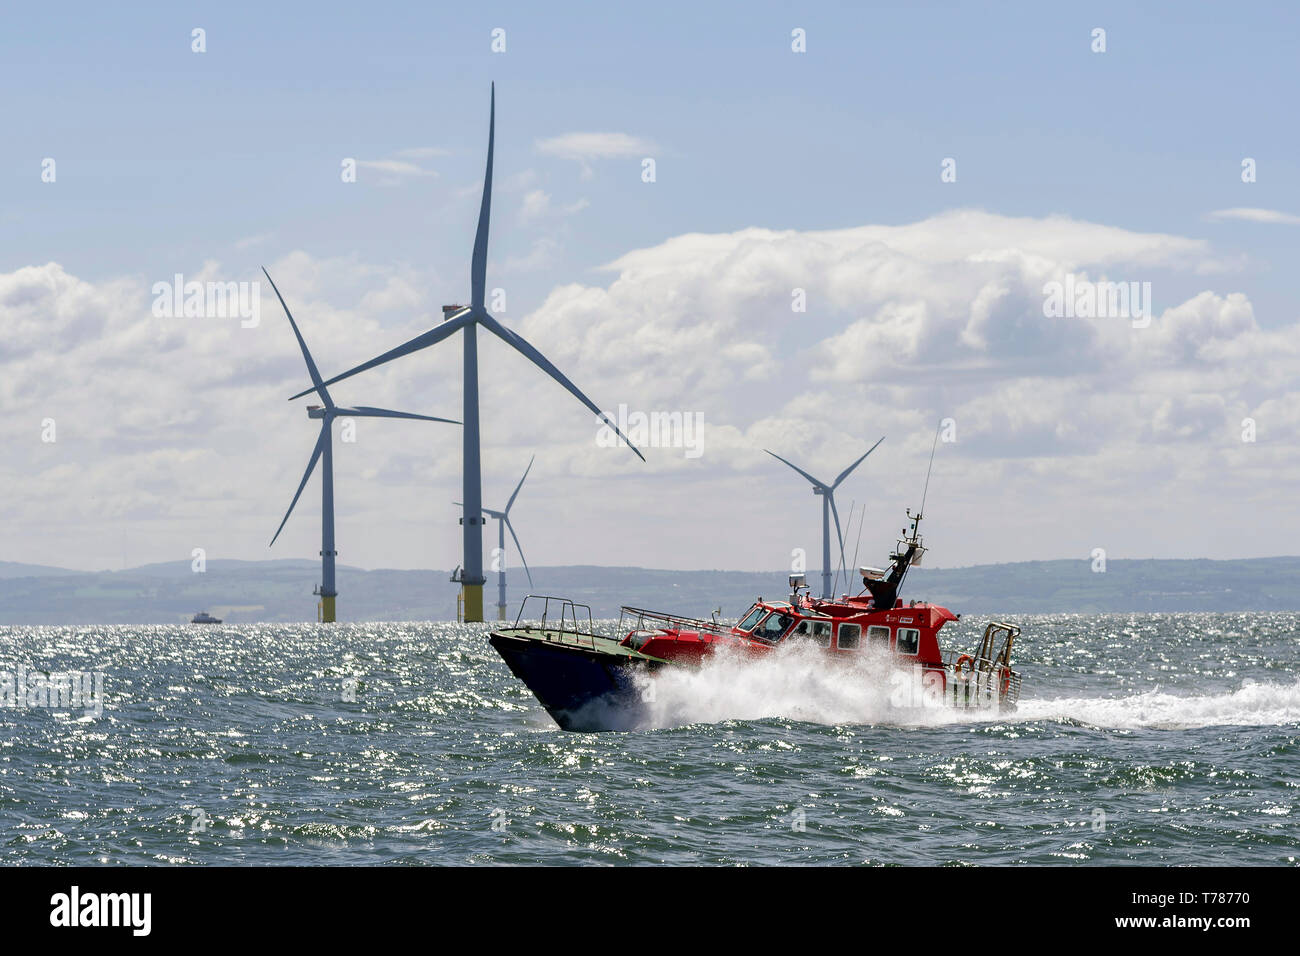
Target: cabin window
(818,632)
(909,640)
(878,636)
(751,618)
(774,628)
(849,635)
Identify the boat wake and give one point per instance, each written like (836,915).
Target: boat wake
(800,683)
(797,682)
(1253,704)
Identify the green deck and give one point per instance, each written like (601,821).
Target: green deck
(588,642)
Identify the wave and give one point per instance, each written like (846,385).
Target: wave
(1253,704)
(800,683)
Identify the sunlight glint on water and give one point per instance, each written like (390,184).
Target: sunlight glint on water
(1144,738)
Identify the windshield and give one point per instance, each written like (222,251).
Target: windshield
(774,627)
(751,618)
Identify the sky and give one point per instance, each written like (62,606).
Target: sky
(918,176)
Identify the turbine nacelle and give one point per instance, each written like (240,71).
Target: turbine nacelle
(457,317)
(326,414)
(503,516)
(827,492)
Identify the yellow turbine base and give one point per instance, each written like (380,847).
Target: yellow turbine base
(473,603)
(327,610)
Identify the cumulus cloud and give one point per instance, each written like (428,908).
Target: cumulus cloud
(1071,433)
(175,430)
(943,318)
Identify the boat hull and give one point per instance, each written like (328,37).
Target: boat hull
(584,687)
(588,682)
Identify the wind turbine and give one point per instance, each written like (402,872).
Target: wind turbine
(828,508)
(325,449)
(469,318)
(503,522)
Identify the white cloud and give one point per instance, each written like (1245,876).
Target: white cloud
(537,205)
(175,433)
(541,253)
(249,241)
(1250,214)
(395,169)
(939,318)
(587,148)
(1071,434)
(423,152)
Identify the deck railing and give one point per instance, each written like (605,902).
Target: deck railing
(980,681)
(569,628)
(632,619)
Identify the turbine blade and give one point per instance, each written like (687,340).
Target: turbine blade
(315,457)
(521,484)
(432,337)
(518,547)
(367,411)
(815,482)
(517,342)
(845,473)
(478,269)
(306,354)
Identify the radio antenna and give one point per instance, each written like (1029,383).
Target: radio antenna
(933,447)
(859,544)
(842,569)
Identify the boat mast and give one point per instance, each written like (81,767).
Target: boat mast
(908,551)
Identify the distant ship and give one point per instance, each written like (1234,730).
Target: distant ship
(203,617)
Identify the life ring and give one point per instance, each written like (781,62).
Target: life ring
(960,678)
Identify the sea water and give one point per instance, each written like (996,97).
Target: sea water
(1154,739)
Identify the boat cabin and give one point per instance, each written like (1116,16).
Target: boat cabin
(847,626)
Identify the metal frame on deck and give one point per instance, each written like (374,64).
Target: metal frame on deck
(569,620)
(980,686)
(660,618)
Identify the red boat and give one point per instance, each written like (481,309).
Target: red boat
(590,681)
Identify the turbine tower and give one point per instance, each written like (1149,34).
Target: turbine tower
(503,522)
(469,318)
(828,508)
(325,449)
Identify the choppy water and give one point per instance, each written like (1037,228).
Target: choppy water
(1158,739)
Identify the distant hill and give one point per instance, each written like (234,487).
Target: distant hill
(11,569)
(244,591)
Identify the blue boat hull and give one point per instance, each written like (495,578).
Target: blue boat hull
(582,689)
